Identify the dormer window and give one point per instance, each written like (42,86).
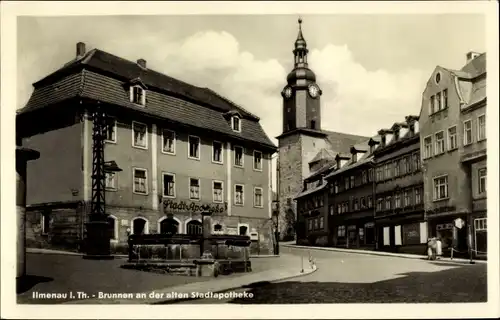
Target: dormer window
(138,95)
(236,123)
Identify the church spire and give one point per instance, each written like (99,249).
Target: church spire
(300,51)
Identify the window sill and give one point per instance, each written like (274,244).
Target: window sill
(442,199)
(141,193)
(192,199)
(138,104)
(237,166)
(169,197)
(239,204)
(110,141)
(451,150)
(259,207)
(218,162)
(169,153)
(111,189)
(113,240)
(218,202)
(258,170)
(194,158)
(140,147)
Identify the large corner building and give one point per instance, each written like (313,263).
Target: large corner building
(182,150)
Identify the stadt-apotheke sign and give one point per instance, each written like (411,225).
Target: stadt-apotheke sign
(193,207)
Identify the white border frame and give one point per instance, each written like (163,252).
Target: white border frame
(262,194)
(478,127)
(448,138)
(115,126)
(244,225)
(479,181)
(163,142)
(189,147)
(189,189)
(221,152)
(189,220)
(232,123)
(243,195)
(261,161)
(116,233)
(434,199)
(213,189)
(133,181)
(115,188)
(146,225)
(436,153)
(423,147)
(143,98)
(163,174)
(471,133)
(146,137)
(242,157)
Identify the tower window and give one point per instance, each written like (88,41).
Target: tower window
(313,124)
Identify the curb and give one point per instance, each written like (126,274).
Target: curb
(382,253)
(265,256)
(67,253)
(305,273)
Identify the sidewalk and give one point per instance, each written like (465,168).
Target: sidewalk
(287,266)
(378,253)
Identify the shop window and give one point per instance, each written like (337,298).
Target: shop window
(169,226)
(194,227)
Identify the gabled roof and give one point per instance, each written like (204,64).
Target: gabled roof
(342,142)
(101,76)
(330,165)
(309,191)
(367,158)
(323,154)
(476,66)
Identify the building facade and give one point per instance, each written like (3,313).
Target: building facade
(303,138)
(399,207)
(453,144)
(182,150)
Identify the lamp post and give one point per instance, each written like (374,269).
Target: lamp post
(97,240)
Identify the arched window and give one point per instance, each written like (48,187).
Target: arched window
(243,229)
(169,226)
(194,227)
(139,226)
(113,232)
(218,227)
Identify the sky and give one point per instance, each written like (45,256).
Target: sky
(372,68)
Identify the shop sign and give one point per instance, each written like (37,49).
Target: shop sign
(440,210)
(444,226)
(193,207)
(411,233)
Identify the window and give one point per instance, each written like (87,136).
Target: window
(418,196)
(396,168)
(355,205)
(452,138)
(379,174)
(257,199)
(331,209)
(467,132)
(238,195)
(169,185)
(194,189)
(140,132)
(481,127)
(482,180)
(407,198)
(388,203)
(217,228)
(441,188)
(407,164)
(236,124)
(313,124)
(110,129)
(380,202)
(445,99)
(257,160)
(112,225)
(217,191)
(140,181)
(388,171)
(310,224)
(363,203)
(431,105)
(137,95)
(370,174)
(321,222)
(194,147)
(168,141)
(339,208)
(370,202)
(139,226)
(346,183)
(169,226)
(416,161)
(345,207)
(194,227)
(217,152)
(315,223)
(336,186)
(397,200)
(110,180)
(238,156)
(480,224)
(427,147)
(438,101)
(341,231)
(352,182)
(439,142)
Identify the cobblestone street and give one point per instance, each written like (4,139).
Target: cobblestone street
(358,278)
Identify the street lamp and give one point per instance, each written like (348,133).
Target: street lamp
(97,240)
(276,213)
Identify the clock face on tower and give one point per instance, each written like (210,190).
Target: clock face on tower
(313,91)
(288,92)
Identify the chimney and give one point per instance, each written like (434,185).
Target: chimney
(471,55)
(354,154)
(80,50)
(382,134)
(142,63)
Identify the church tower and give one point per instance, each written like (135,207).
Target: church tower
(301,138)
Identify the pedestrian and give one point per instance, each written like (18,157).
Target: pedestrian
(431,249)
(439,248)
